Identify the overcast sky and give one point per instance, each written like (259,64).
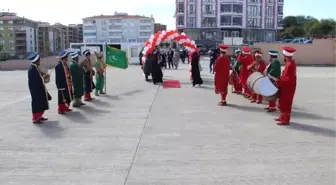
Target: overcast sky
(72,11)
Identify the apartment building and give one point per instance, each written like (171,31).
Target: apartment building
(254,20)
(159,27)
(117,28)
(75,33)
(17,35)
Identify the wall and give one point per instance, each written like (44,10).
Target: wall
(48,62)
(321,52)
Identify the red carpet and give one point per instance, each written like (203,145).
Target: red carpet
(171,84)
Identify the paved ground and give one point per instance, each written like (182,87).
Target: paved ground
(141,134)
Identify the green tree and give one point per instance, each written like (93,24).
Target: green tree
(327,26)
(1,47)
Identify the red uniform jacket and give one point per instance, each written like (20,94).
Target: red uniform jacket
(287,87)
(222,74)
(260,66)
(246,61)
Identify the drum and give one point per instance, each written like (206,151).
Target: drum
(262,85)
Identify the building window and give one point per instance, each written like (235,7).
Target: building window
(89,27)
(209,9)
(280,22)
(89,34)
(225,7)
(180,8)
(10,22)
(269,11)
(238,8)
(280,10)
(145,34)
(209,22)
(235,34)
(114,33)
(237,21)
(254,23)
(254,10)
(225,20)
(191,22)
(180,20)
(145,27)
(1,22)
(191,9)
(225,34)
(269,23)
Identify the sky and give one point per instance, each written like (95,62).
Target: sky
(72,11)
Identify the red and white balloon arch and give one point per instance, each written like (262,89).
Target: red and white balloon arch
(162,36)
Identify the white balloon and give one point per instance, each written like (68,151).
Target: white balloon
(188,40)
(143,52)
(158,42)
(193,42)
(143,58)
(180,41)
(164,32)
(183,34)
(192,50)
(175,35)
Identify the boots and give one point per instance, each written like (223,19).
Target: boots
(76,102)
(284,119)
(102,92)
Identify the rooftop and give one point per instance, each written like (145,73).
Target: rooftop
(117,16)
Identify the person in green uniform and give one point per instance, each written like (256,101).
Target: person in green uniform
(77,77)
(235,66)
(100,70)
(273,70)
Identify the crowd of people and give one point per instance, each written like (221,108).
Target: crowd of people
(159,59)
(73,81)
(244,65)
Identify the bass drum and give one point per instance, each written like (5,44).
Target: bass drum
(262,85)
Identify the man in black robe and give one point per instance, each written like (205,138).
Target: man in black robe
(157,74)
(170,56)
(63,83)
(195,69)
(38,91)
(86,65)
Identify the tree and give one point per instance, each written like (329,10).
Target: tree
(307,26)
(1,47)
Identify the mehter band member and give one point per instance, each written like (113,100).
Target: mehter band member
(88,75)
(222,74)
(77,78)
(287,86)
(63,83)
(38,91)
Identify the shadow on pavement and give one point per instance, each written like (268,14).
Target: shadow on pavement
(250,109)
(313,129)
(51,129)
(306,115)
(100,102)
(89,110)
(77,117)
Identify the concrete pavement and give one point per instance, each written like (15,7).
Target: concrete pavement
(141,134)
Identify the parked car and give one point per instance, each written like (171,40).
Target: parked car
(202,49)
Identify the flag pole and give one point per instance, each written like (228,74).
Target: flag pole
(104,50)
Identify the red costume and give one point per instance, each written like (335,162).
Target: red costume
(246,60)
(258,66)
(222,74)
(287,86)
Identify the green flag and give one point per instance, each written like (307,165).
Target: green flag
(116,58)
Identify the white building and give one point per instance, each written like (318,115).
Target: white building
(117,28)
(216,19)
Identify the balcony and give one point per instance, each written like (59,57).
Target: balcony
(208,13)
(179,12)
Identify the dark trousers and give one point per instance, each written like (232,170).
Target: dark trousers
(170,63)
(212,63)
